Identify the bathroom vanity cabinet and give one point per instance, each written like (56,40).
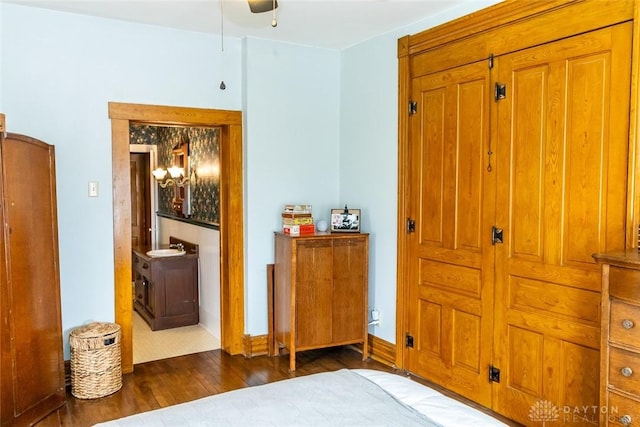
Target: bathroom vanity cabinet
(166,290)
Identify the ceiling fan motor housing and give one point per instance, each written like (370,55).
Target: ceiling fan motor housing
(259,6)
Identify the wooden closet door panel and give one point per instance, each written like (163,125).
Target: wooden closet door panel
(32,281)
(451,286)
(562,138)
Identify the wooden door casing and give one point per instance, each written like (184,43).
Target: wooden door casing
(561,139)
(450,275)
(231,218)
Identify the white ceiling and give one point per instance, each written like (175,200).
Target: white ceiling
(332,24)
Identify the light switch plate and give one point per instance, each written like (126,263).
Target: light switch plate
(93,188)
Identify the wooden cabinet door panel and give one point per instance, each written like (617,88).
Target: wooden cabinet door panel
(150,297)
(450,305)
(349,297)
(180,297)
(561,139)
(314,292)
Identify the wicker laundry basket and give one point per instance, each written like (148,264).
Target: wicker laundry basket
(96,369)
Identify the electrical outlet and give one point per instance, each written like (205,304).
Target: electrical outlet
(375,317)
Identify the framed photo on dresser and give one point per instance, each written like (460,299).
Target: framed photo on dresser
(345,220)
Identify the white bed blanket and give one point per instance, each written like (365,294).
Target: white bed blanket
(358,397)
(442,410)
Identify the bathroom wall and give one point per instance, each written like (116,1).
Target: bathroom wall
(203,172)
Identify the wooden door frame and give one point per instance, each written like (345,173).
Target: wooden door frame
(231,214)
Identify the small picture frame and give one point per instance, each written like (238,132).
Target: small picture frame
(345,220)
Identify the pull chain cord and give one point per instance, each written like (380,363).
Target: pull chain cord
(274,22)
(222,85)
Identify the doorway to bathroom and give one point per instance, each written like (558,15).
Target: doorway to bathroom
(154,221)
(231,214)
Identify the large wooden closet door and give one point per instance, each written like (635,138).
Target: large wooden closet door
(451,267)
(562,142)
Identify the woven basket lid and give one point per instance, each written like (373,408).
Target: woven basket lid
(95,330)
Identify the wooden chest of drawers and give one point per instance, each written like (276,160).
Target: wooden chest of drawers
(620,327)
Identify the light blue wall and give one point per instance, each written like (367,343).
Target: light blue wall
(60,71)
(320,127)
(291,112)
(368,164)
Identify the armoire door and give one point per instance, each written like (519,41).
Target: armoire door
(450,305)
(561,153)
(32,365)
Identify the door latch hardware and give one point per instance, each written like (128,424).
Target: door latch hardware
(500,91)
(494,374)
(496,235)
(408,340)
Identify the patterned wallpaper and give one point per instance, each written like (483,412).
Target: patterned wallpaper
(204,167)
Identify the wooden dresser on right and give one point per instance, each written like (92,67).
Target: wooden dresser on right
(620,350)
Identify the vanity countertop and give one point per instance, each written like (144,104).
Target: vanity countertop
(142,253)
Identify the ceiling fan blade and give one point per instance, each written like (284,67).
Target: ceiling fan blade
(259,6)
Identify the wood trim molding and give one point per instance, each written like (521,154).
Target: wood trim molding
(633,193)
(482,20)
(272,345)
(257,345)
(404,208)
(231,214)
(382,351)
(476,36)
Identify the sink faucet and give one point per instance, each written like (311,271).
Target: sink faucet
(177,246)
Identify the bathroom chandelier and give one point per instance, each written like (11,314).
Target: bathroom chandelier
(176,177)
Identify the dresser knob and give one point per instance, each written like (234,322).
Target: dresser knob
(626,371)
(627,324)
(625,420)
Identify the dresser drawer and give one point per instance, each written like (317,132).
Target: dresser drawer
(623,411)
(625,323)
(624,370)
(624,283)
(141,266)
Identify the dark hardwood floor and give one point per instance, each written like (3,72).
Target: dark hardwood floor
(167,382)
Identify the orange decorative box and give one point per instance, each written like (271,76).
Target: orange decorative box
(296,230)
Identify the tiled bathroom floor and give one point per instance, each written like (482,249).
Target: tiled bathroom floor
(151,345)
